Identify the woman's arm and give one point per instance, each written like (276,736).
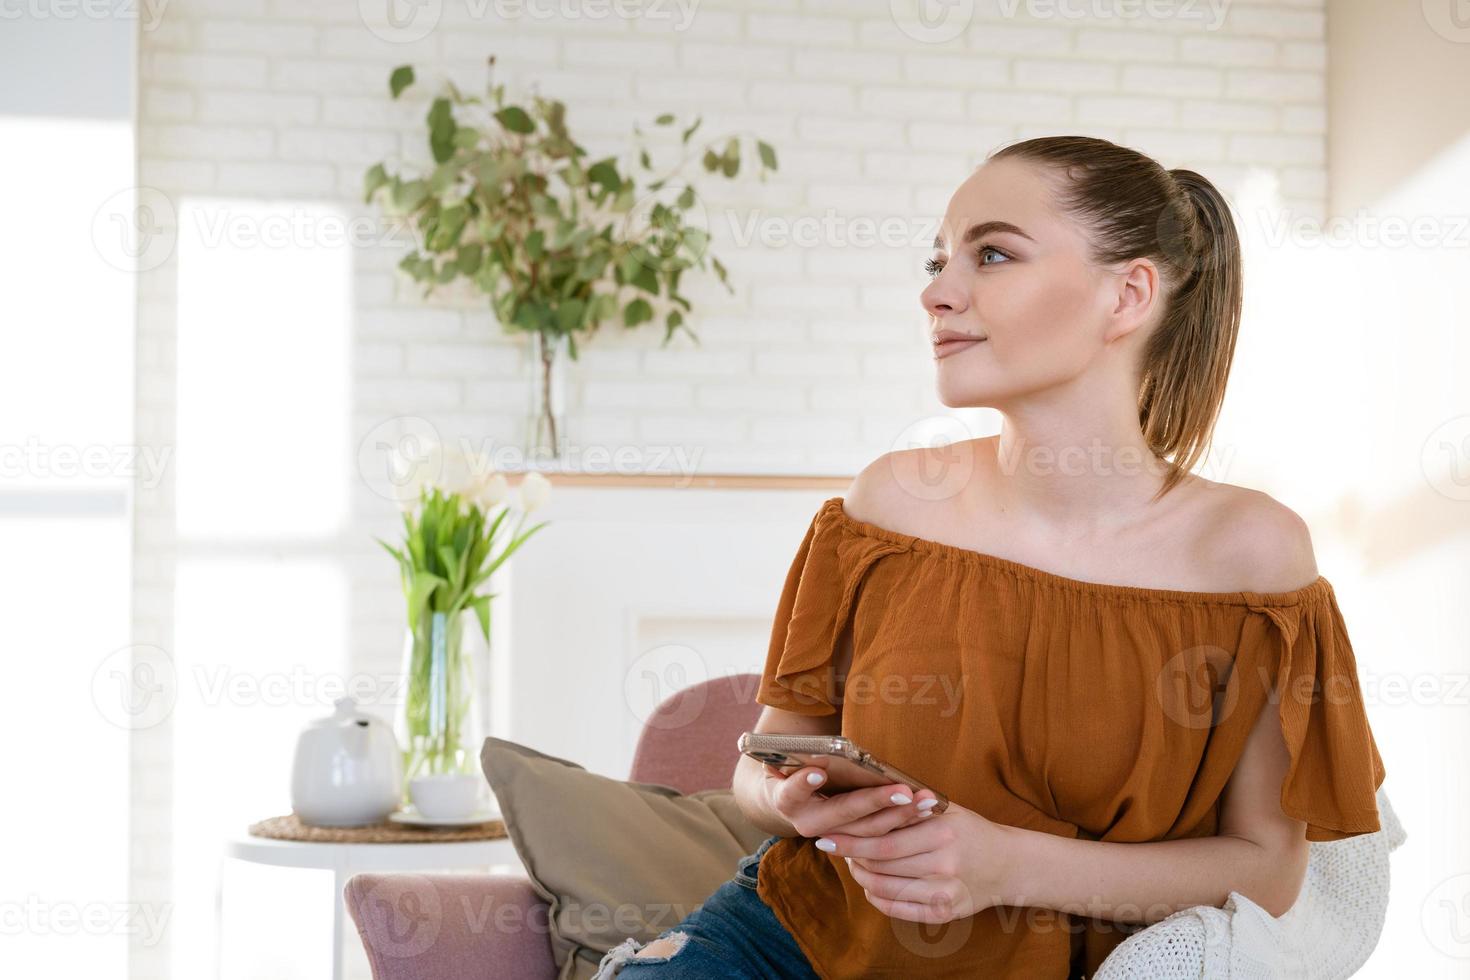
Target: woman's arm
(1259,852)
(750,774)
(959,862)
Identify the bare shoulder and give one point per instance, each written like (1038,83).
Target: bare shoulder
(1256,540)
(876,493)
(906,488)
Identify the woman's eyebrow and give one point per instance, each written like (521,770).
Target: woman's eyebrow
(985,228)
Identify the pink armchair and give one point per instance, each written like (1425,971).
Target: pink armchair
(440,926)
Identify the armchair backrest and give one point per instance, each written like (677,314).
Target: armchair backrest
(689,742)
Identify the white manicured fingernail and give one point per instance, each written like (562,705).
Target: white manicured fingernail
(899,798)
(926,804)
(814,778)
(823,844)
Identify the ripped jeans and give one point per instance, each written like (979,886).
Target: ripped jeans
(733,935)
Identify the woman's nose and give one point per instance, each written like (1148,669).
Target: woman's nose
(940,297)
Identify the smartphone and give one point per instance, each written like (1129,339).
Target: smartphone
(848,765)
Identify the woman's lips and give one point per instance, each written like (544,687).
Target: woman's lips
(948,347)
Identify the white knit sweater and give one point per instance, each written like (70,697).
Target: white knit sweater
(1326,935)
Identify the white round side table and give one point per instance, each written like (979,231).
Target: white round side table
(346,859)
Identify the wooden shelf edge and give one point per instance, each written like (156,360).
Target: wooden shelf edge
(683,481)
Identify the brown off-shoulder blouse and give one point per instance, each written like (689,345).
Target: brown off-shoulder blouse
(1083,709)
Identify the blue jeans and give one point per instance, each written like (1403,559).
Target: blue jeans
(733,935)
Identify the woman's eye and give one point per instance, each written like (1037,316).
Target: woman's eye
(934,268)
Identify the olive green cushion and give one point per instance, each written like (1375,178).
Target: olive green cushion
(612,858)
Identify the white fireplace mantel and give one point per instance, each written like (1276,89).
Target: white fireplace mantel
(631,593)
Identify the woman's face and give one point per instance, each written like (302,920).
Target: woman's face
(1046,313)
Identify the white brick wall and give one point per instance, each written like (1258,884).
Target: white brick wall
(816,363)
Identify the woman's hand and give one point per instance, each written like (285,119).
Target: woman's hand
(866,812)
(948,866)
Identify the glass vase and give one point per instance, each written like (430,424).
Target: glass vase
(546,416)
(439,721)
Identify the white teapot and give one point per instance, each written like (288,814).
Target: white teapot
(347,771)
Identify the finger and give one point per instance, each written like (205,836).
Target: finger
(848,805)
(801,785)
(914,839)
(911,911)
(911,866)
(891,818)
(898,888)
(876,824)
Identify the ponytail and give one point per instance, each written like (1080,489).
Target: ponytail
(1187,360)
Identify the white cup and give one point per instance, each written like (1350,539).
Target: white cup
(446,796)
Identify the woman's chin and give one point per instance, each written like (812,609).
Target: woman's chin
(959,396)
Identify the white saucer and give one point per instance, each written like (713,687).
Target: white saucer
(413,818)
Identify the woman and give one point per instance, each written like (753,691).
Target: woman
(1131,682)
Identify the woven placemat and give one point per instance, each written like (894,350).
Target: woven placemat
(290,827)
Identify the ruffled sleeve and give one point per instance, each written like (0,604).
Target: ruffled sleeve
(815,605)
(1335,770)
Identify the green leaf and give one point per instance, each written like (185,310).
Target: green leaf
(450,226)
(569,315)
(604,174)
(730,162)
(515,119)
(443,178)
(767,154)
(636,312)
(604,307)
(481,605)
(454,565)
(401,79)
(441,130)
(375,177)
(686,199)
(646,279)
(573,175)
(469,258)
(690,131)
(664,119)
(424,584)
(408,195)
(696,240)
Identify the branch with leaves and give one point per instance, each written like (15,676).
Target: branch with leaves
(514,205)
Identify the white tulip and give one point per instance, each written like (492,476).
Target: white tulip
(450,470)
(535,489)
(492,491)
(459,472)
(408,478)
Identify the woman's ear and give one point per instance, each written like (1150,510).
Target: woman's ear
(1134,297)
